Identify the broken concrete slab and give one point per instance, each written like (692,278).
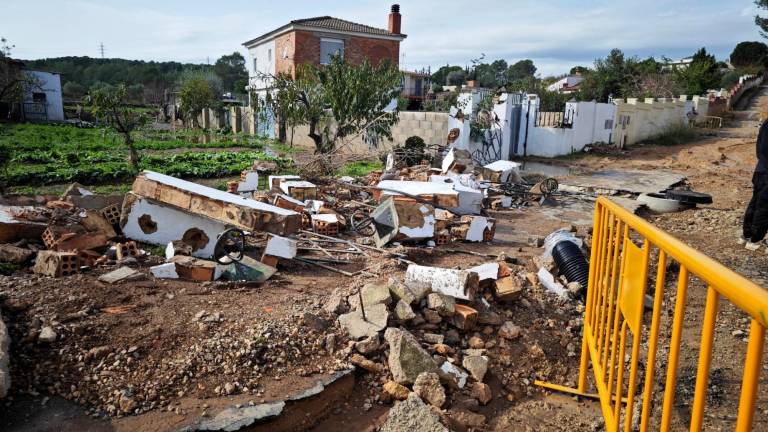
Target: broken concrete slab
(218,205)
(235,418)
(442,304)
(441,194)
(412,415)
(470,198)
(123,274)
(399,220)
(164,271)
(249,182)
(358,327)
(20,222)
(611,182)
(459,375)
(298,189)
(480,228)
(273,181)
(501,171)
(247,269)
(195,269)
(372,293)
(281,247)
(460,284)
(509,288)
(407,359)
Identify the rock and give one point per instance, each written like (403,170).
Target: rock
(97,353)
(335,304)
(412,415)
(418,288)
(370,366)
(452,337)
(433,338)
(372,294)
(467,419)
(357,327)
(402,292)
(229,388)
(465,317)
(47,335)
(477,366)
(432,316)
(396,390)
(428,387)
(123,274)
(489,318)
(532,278)
(476,342)
(315,322)
(509,331)
(15,255)
(443,304)
(481,392)
(443,349)
(459,375)
(403,311)
(407,359)
(368,345)
(574,288)
(127,403)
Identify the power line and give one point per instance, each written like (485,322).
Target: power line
(101,49)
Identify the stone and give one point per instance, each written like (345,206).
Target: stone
(401,292)
(419,289)
(488,318)
(433,338)
(482,392)
(476,342)
(13,254)
(357,327)
(368,345)
(432,316)
(477,366)
(403,311)
(229,388)
(47,335)
(458,374)
(397,391)
(443,349)
(509,330)
(442,304)
(315,322)
(123,274)
(335,304)
(412,415)
(468,419)
(364,363)
(407,359)
(574,288)
(509,288)
(428,387)
(127,403)
(452,337)
(372,294)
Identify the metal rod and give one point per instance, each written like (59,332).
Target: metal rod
(327,267)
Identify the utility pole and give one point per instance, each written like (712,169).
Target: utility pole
(101,49)
(208,59)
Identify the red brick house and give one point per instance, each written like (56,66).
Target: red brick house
(314,40)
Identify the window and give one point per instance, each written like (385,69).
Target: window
(269,55)
(38,97)
(255,65)
(330,47)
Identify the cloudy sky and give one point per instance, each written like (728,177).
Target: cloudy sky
(556,34)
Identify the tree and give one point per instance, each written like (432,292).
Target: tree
(195,95)
(456,78)
(760,21)
(110,107)
(231,69)
(613,76)
(440,77)
(73,90)
(13,81)
(700,75)
(749,54)
(522,70)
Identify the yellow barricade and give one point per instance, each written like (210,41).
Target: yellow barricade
(619,269)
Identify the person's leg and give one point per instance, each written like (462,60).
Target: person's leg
(750,212)
(760,216)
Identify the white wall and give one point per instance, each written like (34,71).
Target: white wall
(50,84)
(592,123)
(265,63)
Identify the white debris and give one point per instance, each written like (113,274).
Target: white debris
(281,247)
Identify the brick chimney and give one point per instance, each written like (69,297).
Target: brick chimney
(394,19)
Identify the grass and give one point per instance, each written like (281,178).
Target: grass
(55,154)
(360,168)
(674,135)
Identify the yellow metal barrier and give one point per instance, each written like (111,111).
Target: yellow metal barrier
(618,278)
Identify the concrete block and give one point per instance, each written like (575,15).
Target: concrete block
(56,264)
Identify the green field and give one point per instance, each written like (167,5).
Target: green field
(56,154)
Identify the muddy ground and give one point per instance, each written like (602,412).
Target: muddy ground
(177,350)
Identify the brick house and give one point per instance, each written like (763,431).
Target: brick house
(315,40)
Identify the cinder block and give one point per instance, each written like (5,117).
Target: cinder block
(56,264)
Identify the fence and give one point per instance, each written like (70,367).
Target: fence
(556,119)
(618,277)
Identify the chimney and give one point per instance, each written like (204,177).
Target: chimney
(394,19)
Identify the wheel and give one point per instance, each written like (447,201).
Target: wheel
(658,203)
(362,223)
(230,246)
(689,197)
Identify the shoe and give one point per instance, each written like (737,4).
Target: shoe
(741,240)
(752,246)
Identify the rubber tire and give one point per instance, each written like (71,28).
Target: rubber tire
(688,197)
(658,203)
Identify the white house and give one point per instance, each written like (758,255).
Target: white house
(42,98)
(567,84)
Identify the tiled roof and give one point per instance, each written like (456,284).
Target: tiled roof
(332,23)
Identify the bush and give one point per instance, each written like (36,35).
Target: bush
(414,151)
(674,135)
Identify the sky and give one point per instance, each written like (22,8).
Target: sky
(555,34)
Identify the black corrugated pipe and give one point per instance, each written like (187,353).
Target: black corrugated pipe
(571,262)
